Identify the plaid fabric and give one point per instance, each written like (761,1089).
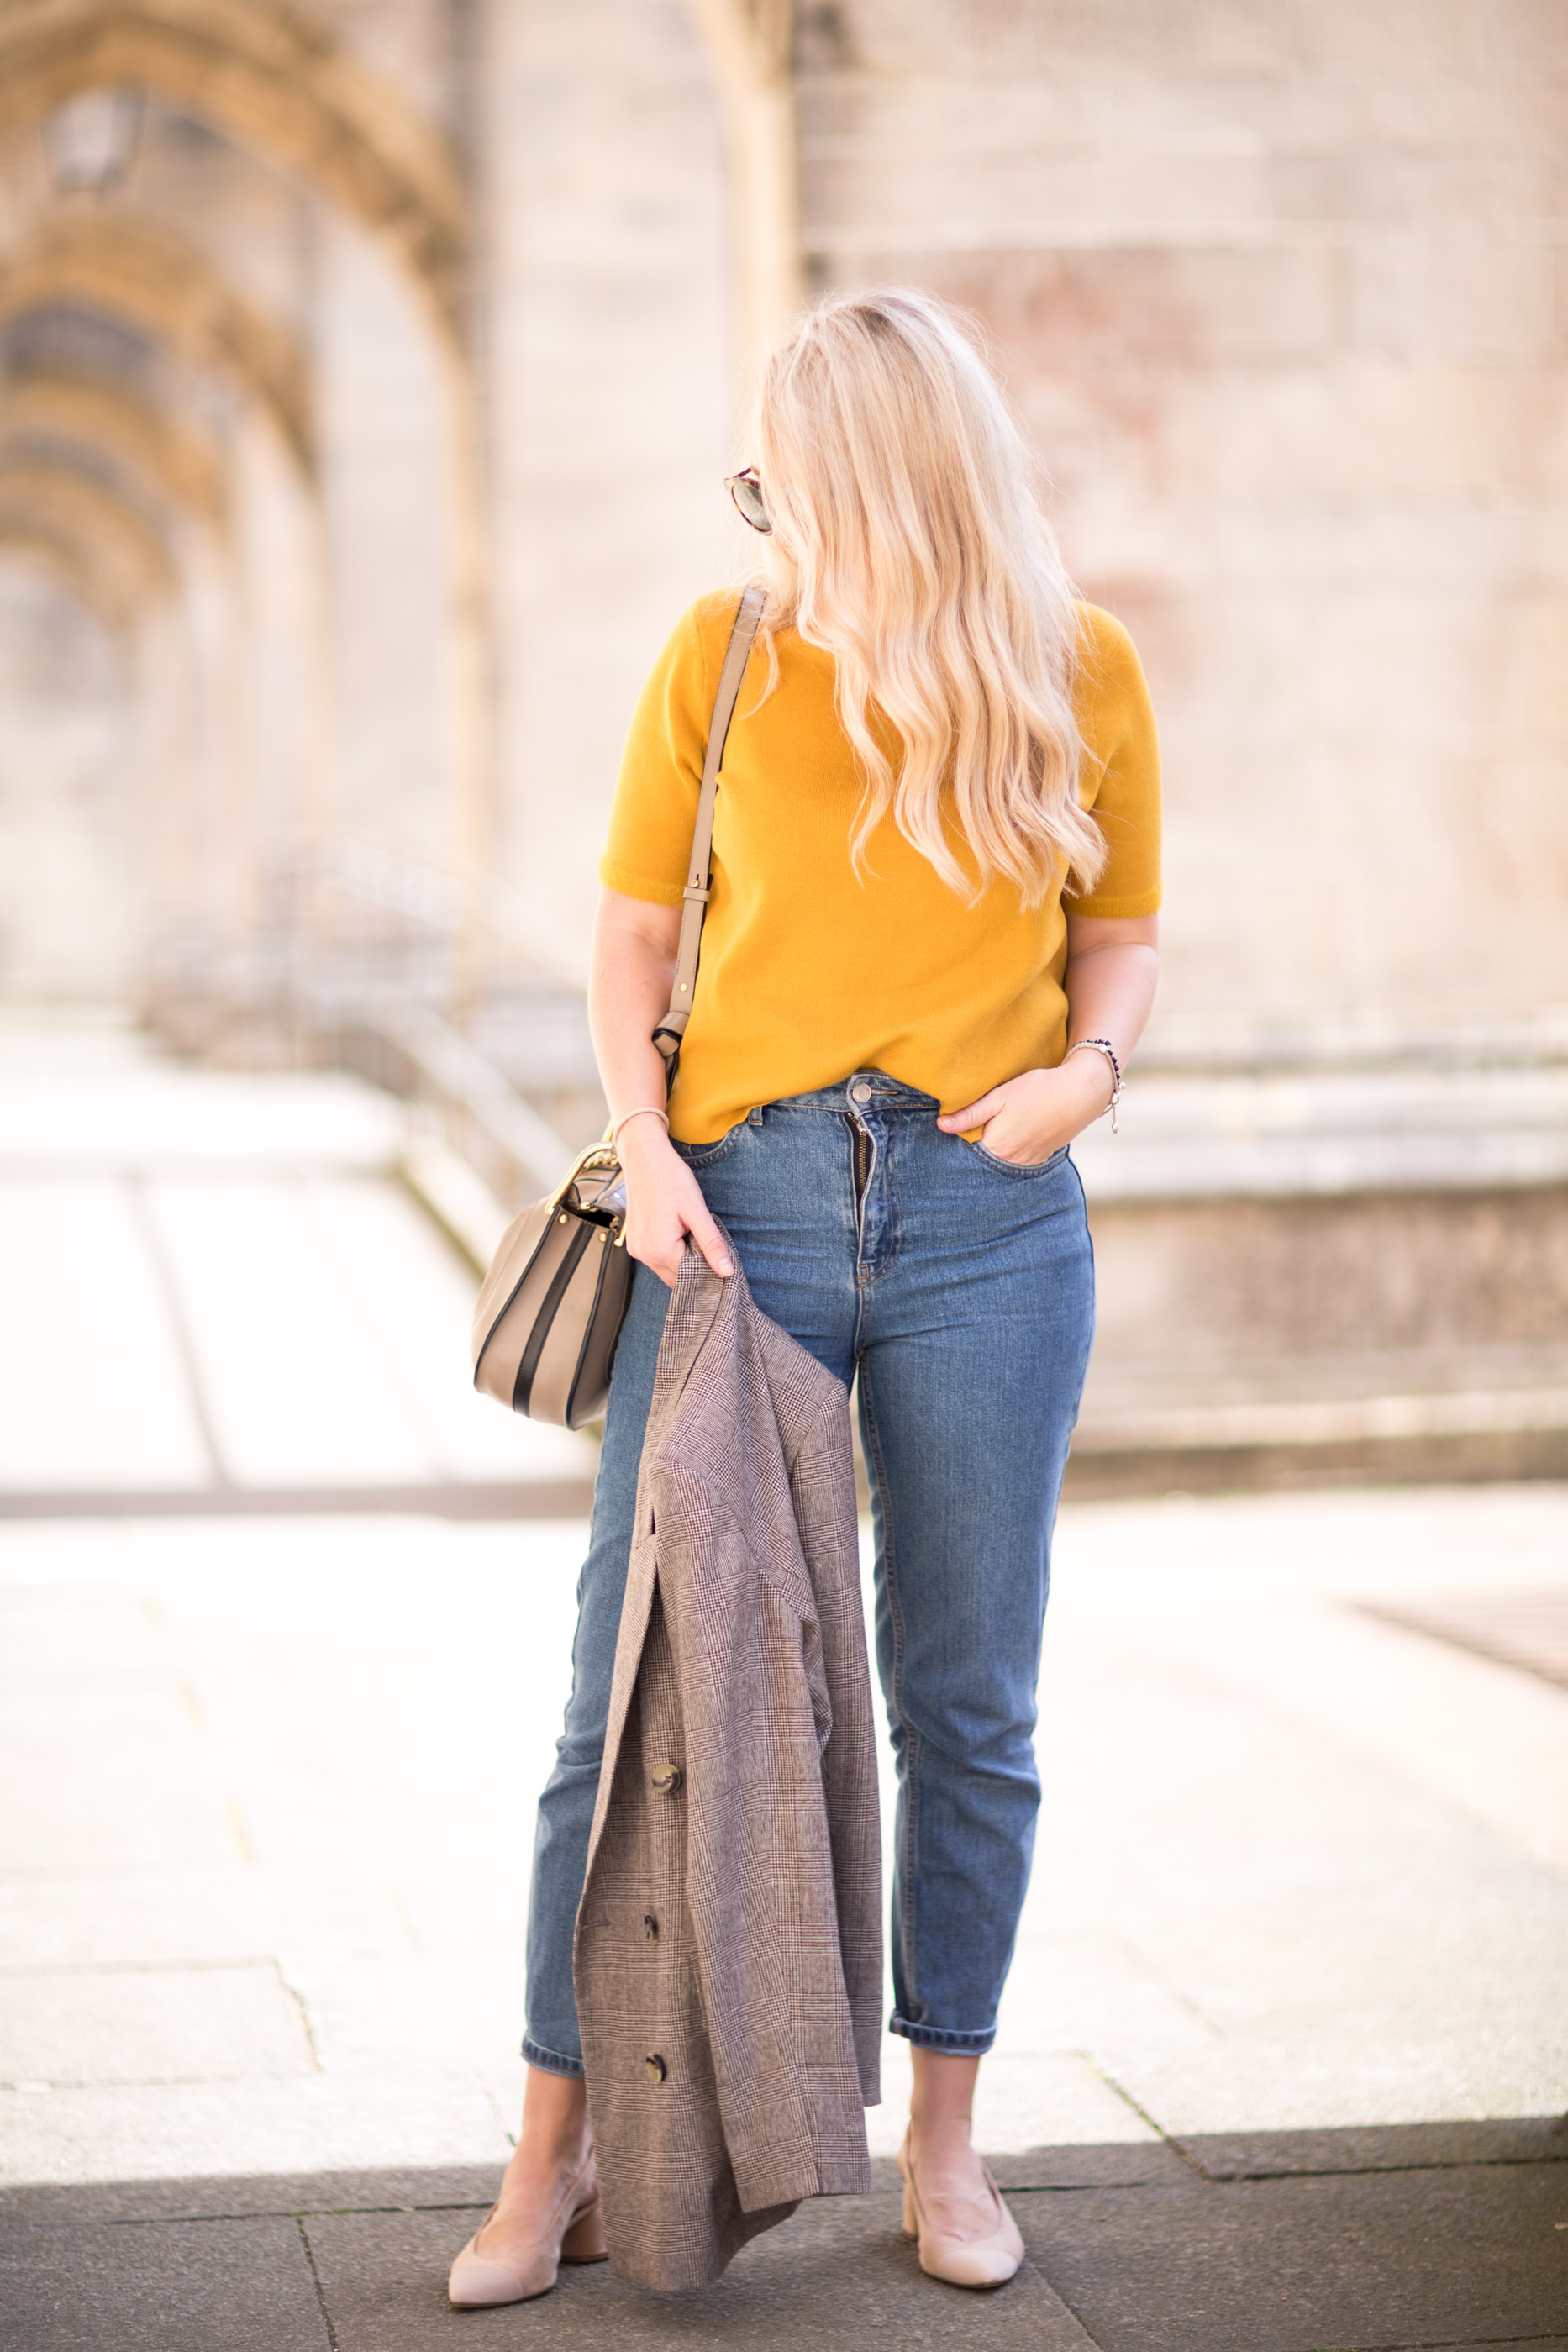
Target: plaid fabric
(727,1956)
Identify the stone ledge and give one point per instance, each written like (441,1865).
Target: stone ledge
(1476,1457)
(1269,1133)
(1329,1421)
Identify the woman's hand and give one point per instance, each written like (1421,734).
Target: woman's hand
(1112,964)
(664,1203)
(1029,1117)
(628,988)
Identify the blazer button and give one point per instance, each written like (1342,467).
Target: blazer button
(666,1779)
(654,2067)
(650,1927)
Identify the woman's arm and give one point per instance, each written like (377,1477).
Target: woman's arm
(628,994)
(1109,982)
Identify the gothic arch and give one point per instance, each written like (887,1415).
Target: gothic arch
(181,464)
(270,76)
(275,82)
(139,270)
(39,542)
(89,523)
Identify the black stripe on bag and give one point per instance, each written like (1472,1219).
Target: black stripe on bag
(500,1316)
(588,1333)
(545,1317)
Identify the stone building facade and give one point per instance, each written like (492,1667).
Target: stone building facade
(368,370)
(372,377)
(368,373)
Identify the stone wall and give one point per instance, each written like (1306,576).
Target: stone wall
(610,389)
(1279,289)
(1283,292)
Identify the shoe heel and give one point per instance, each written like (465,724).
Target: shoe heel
(585,2240)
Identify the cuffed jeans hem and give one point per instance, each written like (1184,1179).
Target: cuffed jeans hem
(933,2037)
(550,2062)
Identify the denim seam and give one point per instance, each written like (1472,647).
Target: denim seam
(856,1126)
(550,2062)
(1077,1178)
(895,1224)
(707,1155)
(881,1153)
(1014,1167)
(912,1736)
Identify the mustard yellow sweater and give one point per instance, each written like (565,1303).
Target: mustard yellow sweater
(810,970)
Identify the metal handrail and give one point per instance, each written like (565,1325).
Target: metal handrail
(482,1103)
(381,1002)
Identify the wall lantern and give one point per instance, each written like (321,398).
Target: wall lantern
(90,143)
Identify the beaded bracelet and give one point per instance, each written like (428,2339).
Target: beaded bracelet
(1103,1046)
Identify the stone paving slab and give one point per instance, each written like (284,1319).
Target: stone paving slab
(214,2286)
(1388,2147)
(1115,2165)
(277,2124)
(1295,1943)
(323,1368)
(105,2025)
(1353,2263)
(229,2197)
(1464,2244)
(840,2273)
(219,2197)
(282,1744)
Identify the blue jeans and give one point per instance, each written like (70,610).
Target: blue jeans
(962,1290)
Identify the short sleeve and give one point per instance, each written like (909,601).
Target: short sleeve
(655,807)
(1121,776)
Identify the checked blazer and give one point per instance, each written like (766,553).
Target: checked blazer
(727,1956)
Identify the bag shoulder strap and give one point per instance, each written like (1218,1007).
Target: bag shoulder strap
(694,897)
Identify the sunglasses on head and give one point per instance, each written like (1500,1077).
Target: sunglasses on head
(747,493)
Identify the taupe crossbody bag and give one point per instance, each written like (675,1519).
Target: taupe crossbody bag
(551,1307)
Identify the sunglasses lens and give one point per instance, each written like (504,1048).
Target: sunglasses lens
(748,497)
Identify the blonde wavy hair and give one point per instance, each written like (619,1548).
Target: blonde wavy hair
(910,542)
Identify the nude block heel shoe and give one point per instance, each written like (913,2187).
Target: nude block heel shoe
(585,2240)
(575,2233)
(983,2261)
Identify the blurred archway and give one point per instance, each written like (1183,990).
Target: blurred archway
(114,265)
(275,83)
(205,190)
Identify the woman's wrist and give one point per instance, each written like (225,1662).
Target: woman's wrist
(641,1141)
(637,1115)
(1092,1079)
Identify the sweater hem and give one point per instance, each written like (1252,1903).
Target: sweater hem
(1113,910)
(631,885)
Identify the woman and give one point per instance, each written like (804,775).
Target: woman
(929,948)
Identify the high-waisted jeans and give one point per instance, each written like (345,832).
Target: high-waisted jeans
(961,1288)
